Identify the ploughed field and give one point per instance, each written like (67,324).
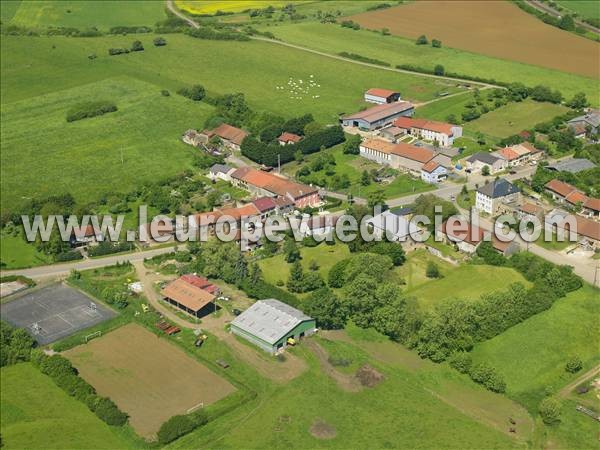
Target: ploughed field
(494,28)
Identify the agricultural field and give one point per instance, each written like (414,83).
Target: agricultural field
(332,38)
(147,377)
(514,118)
(465,282)
(211,7)
(526,39)
(588,9)
(35,413)
(86,14)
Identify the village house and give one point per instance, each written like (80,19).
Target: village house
(266,206)
(82,236)
(394,225)
(220,172)
(263,184)
(528,211)
(440,132)
(505,248)
(573,165)
(518,154)
(378,116)
(492,197)
(288,138)
(192,137)
(433,172)
(318,226)
(381,96)
(461,234)
(478,161)
(589,121)
(591,208)
(588,231)
(392,133)
(230,136)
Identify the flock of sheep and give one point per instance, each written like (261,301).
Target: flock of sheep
(299,88)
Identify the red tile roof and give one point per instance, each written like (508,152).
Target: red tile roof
(559,187)
(508,153)
(229,133)
(576,197)
(264,204)
(462,231)
(81,232)
(430,166)
(248,210)
(188,295)
(588,228)
(419,154)
(273,183)
(532,209)
(423,124)
(377,92)
(289,137)
(592,203)
(200,282)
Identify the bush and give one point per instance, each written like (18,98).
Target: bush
(159,41)
(574,364)
(137,46)
(70,255)
(117,51)
(364,59)
(90,109)
(195,92)
(422,40)
(107,411)
(432,270)
(178,426)
(550,411)
(488,376)
(461,361)
(439,70)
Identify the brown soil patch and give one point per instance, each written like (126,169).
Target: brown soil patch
(369,376)
(344,381)
(147,377)
(495,28)
(322,430)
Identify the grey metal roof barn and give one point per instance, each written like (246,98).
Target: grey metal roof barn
(573,165)
(498,188)
(269,323)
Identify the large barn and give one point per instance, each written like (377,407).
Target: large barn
(189,297)
(269,324)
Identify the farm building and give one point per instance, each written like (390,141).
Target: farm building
(263,184)
(443,133)
(393,225)
(192,137)
(269,324)
(230,136)
(381,96)
(220,172)
(392,133)
(562,192)
(188,297)
(401,155)
(573,165)
(288,138)
(589,121)
(491,197)
(465,236)
(378,116)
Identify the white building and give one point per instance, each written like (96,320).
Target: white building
(433,172)
(381,96)
(490,197)
(443,133)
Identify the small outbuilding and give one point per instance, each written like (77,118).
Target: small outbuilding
(272,325)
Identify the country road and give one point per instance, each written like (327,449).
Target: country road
(194,24)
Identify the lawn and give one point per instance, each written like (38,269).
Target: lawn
(353,166)
(87,14)
(584,8)
(275,268)
(514,117)
(466,282)
(412,272)
(502,30)
(16,253)
(442,108)
(118,151)
(35,413)
(395,50)
(532,354)
(554,243)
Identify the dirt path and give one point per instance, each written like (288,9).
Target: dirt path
(192,23)
(565,391)
(346,382)
(280,372)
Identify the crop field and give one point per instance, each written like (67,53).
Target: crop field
(503,31)
(35,413)
(211,7)
(514,117)
(86,14)
(585,8)
(332,38)
(148,378)
(465,282)
(442,108)
(118,150)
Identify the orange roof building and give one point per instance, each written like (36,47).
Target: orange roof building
(229,134)
(381,96)
(187,297)
(288,138)
(443,133)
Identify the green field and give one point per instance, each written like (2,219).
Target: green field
(442,108)
(465,282)
(544,343)
(87,14)
(514,117)
(397,50)
(275,268)
(35,413)
(584,8)
(16,253)
(353,166)
(114,152)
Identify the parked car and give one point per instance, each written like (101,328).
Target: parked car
(236,312)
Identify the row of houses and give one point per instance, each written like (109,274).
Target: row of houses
(504,158)
(564,193)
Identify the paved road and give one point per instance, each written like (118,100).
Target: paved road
(553,12)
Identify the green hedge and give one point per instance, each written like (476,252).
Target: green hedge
(90,109)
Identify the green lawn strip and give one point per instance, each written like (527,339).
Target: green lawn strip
(16,253)
(584,8)
(554,244)
(395,50)
(84,15)
(35,413)
(514,118)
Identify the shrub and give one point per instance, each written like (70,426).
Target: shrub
(90,109)
(174,428)
(195,92)
(159,41)
(439,70)
(117,51)
(107,411)
(550,411)
(422,40)
(436,43)
(461,361)
(488,376)
(432,270)
(137,46)
(574,364)
(165,93)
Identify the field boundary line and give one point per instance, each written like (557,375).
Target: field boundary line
(194,24)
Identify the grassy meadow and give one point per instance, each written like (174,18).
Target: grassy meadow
(86,14)
(395,50)
(584,8)
(514,117)
(16,253)
(35,413)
